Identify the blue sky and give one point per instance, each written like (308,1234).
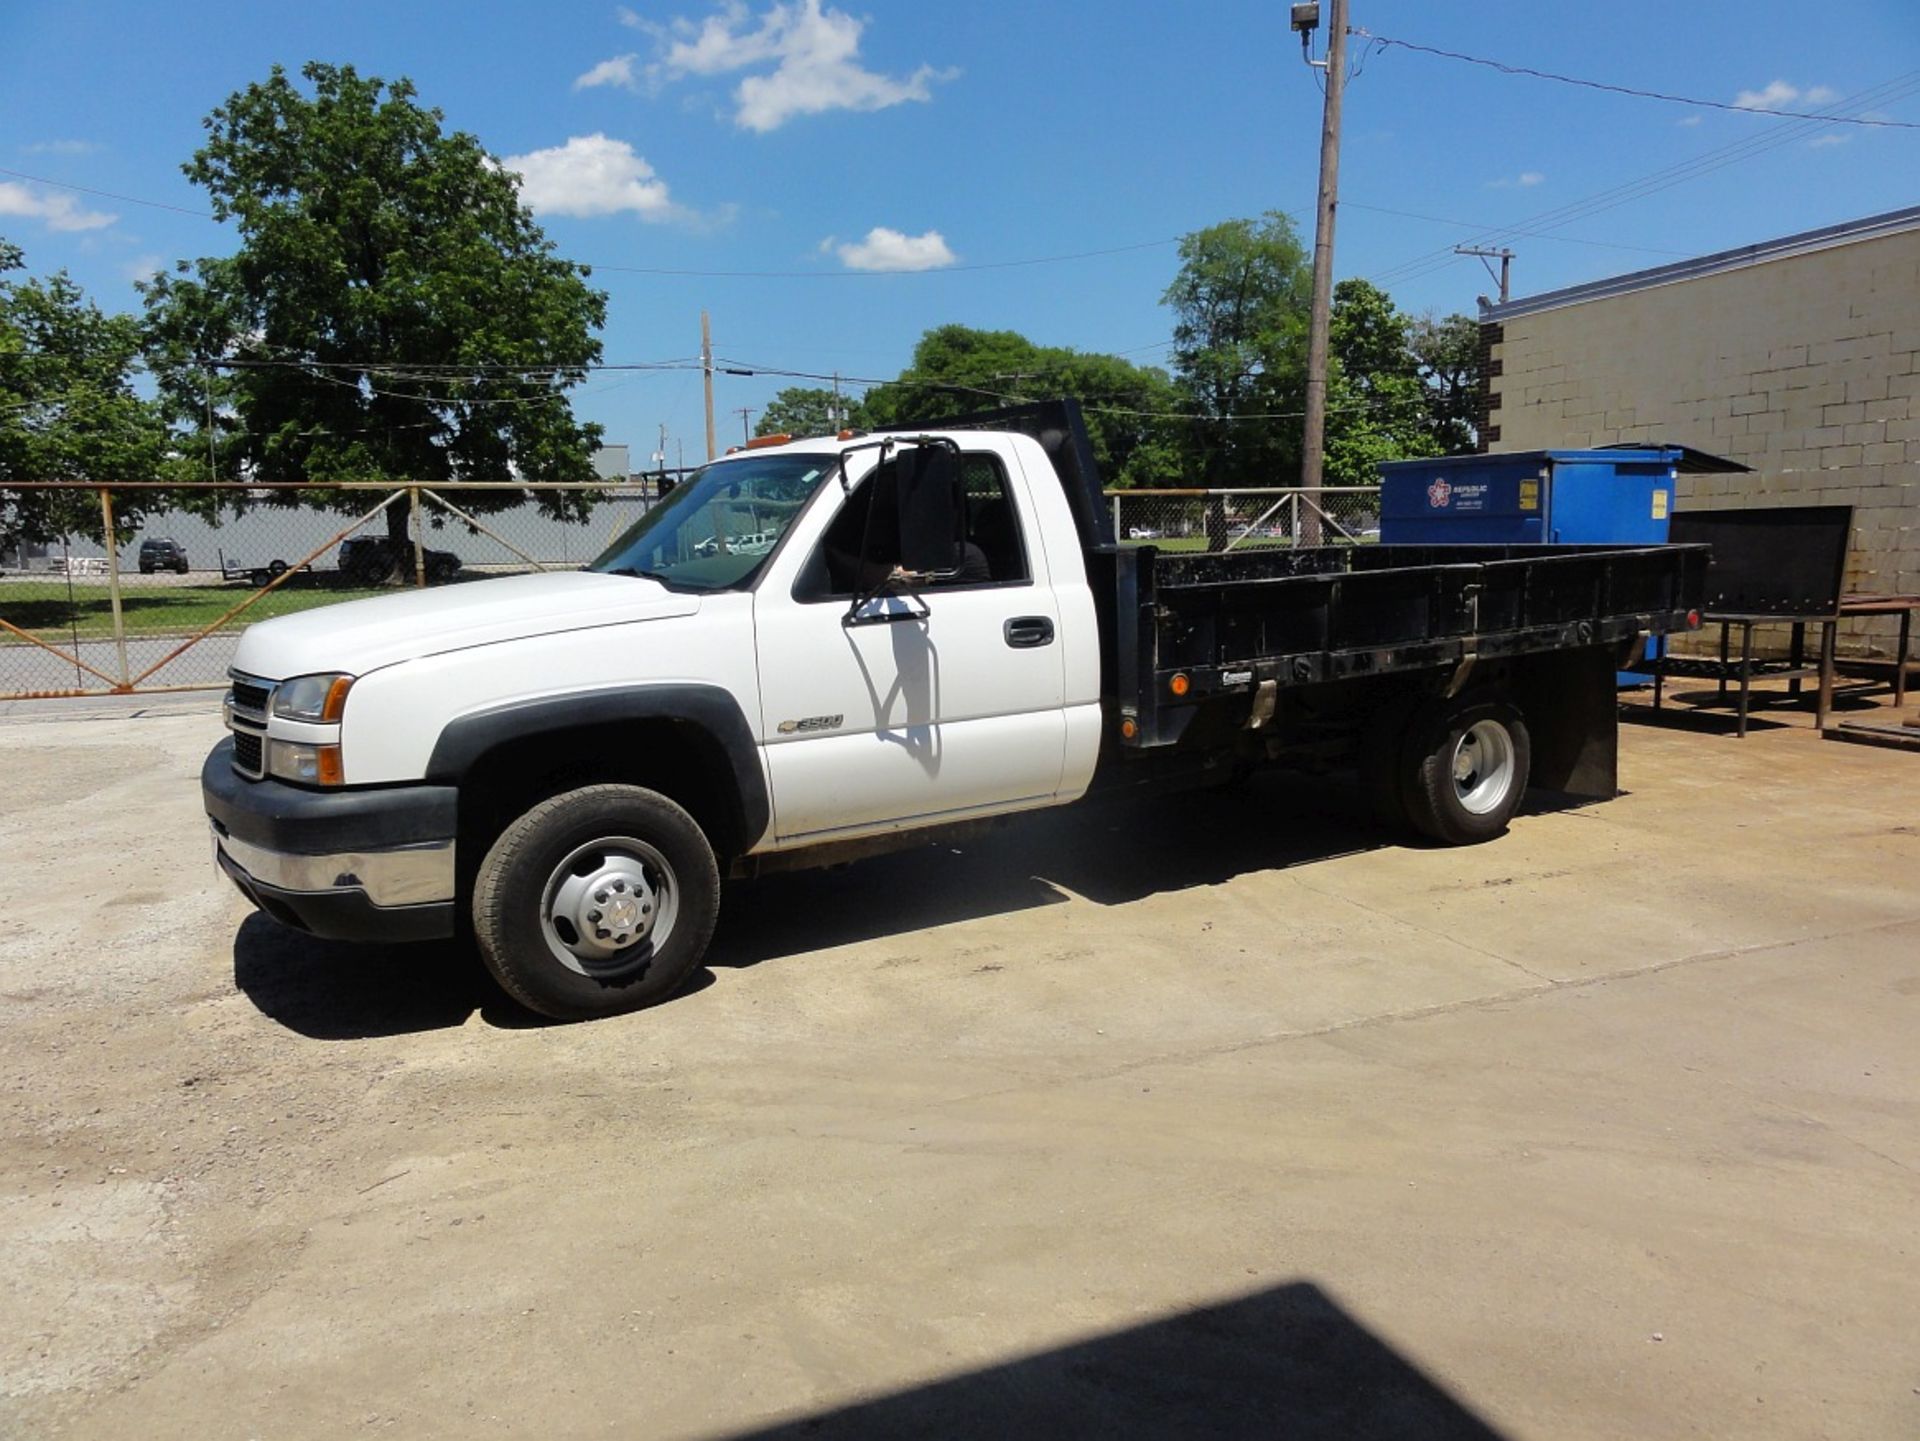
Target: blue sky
(806,138)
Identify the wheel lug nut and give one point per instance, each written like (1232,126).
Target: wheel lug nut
(593,916)
(619,885)
(600,896)
(621,939)
(645,909)
(600,932)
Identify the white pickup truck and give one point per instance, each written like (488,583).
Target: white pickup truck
(814,649)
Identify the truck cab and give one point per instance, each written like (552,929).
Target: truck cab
(754,655)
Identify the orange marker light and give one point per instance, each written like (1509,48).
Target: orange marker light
(330,770)
(1128,728)
(761,441)
(1180,685)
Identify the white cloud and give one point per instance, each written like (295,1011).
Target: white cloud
(142,267)
(885,249)
(1821,142)
(1779,95)
(814,54)
(591,175)
(1525,180)
(1770,96)
(617,71)
(55,210)
(62,147)
(1688,120)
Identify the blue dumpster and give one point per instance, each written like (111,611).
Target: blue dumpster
(1619,495)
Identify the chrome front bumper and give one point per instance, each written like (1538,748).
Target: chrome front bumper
(407,876)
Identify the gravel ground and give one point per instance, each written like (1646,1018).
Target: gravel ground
(1207,1116)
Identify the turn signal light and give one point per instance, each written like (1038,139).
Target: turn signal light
(1129,728)
(1693,620)
(1180,685)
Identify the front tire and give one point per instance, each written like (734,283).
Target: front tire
(598,901)
(1469,766)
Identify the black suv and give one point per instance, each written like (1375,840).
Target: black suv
(162,555)
(376,559)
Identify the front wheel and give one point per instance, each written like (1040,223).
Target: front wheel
(597,901)
(1468,772)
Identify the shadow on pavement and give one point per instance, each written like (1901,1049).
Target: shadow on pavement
(1111,852)
(1286,1362)
(341,991)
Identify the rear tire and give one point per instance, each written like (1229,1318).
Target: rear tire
(598,901)
(1468,766)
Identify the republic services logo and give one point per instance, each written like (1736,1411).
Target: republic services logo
(1439,493)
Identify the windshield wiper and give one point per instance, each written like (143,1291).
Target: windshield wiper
(659,576)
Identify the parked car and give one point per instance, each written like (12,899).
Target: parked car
(374,559)
(574,759)
(162,555)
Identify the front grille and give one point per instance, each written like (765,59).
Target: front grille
(251,695)
(247,753)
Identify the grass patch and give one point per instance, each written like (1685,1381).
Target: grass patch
(154,610)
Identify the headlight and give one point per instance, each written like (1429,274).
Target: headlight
(310,765)
(312,697)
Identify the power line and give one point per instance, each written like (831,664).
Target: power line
(1567,239)
(106,194)
(862,274)
(1665,178)
(1506,69)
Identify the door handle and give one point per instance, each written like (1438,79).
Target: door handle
(1024,632)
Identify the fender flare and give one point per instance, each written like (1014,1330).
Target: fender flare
(709,710)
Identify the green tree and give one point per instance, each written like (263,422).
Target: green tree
(392,313)
(956,369)
(804,410)
(1376,405)
(1240,305)
(68,410)
(1447,356)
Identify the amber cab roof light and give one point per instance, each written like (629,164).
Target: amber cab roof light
(761,442)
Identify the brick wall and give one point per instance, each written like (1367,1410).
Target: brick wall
(1805,368)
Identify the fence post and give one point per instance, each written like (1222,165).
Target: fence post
(419,549)
(1118,533)
(113,587)
(1293,529)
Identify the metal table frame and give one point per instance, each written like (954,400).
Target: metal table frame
(1796,669)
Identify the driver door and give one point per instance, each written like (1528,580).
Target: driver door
(919,707)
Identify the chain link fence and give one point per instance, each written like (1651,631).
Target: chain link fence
(1239,519)
(163,607)
(191,567)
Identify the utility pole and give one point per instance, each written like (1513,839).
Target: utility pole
(706,367)
(838,422)
(1486,253)
(1313,443)
(745,412)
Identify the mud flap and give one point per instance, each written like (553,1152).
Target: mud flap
(1571,702)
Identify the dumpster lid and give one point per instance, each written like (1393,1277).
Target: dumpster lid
(1689,461)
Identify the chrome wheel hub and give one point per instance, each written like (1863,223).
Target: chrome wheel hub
(608,906)
(1483,763)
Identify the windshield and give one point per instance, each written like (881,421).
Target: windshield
(716,528)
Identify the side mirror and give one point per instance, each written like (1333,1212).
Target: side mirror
(932,516)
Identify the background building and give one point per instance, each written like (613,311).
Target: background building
(1799,357)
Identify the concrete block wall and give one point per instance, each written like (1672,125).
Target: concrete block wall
(1806,368)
